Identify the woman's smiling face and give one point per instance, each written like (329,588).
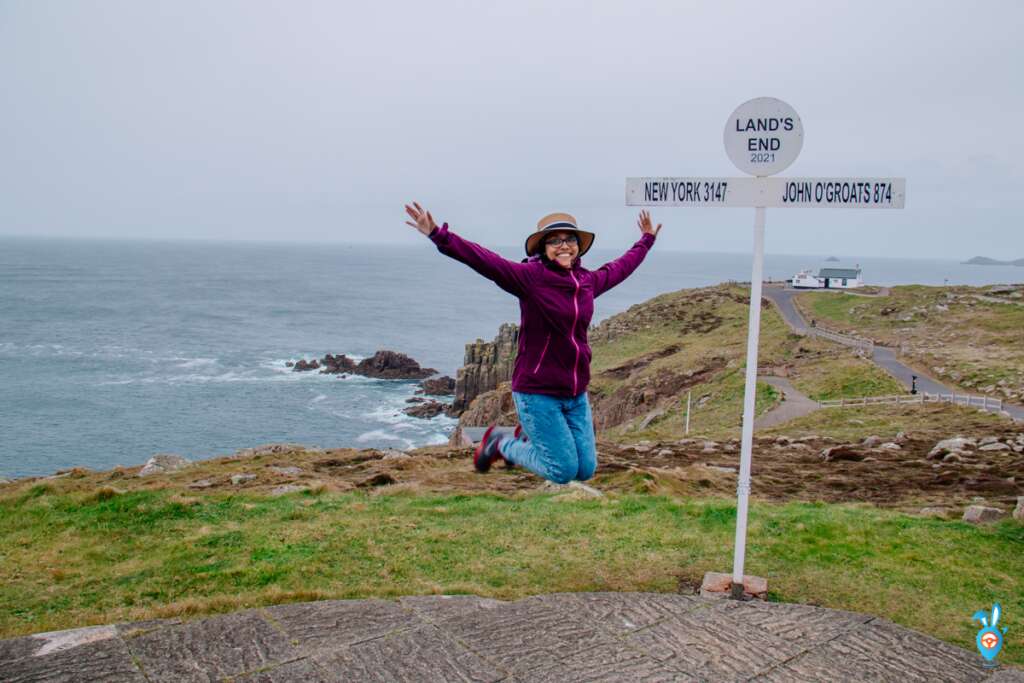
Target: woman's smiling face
(562,252)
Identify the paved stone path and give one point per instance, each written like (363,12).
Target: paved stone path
(562,637)
(795,404)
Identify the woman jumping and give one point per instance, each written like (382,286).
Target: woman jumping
(552,369)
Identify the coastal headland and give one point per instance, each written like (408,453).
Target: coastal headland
(905,511)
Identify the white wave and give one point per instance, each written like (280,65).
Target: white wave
(194,362)
(320,397)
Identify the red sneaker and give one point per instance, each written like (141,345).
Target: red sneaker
(487,452)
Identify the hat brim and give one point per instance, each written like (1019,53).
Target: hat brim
(535,242)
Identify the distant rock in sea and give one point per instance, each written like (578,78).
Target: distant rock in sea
(382,365)
(832,259)
(986,261)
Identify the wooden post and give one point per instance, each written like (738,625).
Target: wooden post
(688,394)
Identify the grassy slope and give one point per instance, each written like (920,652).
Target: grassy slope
(966,341)
(78,559)
(820,369)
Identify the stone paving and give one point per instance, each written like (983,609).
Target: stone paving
(561,637)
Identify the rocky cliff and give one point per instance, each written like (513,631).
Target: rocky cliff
(486,365)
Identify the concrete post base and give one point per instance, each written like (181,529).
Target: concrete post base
(719,585)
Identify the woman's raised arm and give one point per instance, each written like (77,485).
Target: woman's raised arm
(509,275)
(614,272)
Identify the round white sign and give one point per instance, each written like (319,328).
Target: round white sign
(763,136)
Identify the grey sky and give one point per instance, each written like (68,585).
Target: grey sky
(318,120)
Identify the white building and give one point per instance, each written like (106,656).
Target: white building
(829,278)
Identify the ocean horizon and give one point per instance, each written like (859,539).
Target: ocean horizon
(112,350)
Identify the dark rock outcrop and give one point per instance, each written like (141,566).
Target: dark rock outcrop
(441,386)
(392,365)
(425,410)
(486,365)
(336,365)
(382,365)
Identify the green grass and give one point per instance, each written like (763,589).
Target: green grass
(76,559)
(844,378)
(853,424)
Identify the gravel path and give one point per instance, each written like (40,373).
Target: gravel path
(793,406)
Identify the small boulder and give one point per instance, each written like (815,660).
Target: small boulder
(380,479)
(980,514)
(941,513)
(392,454)
(891,446)
(871,441)
(995,447)
(957,443)
(952,457)
(1018,512)
(842,452)
(201,484)
(305,366)
(162,463)
(425,410)
(286,470)
(287,488)
(574,490)
(238,479)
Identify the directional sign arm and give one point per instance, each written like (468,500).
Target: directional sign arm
(782,193)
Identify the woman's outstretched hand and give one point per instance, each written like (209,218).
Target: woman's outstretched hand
(644,223)
(424,222)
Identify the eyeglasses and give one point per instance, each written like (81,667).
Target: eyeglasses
(559,241)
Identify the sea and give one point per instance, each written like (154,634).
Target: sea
(114,350)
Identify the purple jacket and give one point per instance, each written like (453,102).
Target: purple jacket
(556,305)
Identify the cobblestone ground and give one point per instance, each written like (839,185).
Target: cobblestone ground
(561,637)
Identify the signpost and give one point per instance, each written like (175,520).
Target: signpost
(762,137)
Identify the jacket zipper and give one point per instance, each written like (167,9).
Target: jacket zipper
(543,351)
(572,331)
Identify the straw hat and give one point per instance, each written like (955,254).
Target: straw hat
(557,222)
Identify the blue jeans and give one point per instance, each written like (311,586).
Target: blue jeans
(561,437)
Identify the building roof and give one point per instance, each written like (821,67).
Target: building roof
(839,272)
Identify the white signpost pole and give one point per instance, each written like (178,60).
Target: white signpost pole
(762,137)
(749,399)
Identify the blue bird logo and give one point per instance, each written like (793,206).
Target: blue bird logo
(989,638)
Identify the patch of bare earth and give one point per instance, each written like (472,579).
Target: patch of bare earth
(903,472)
